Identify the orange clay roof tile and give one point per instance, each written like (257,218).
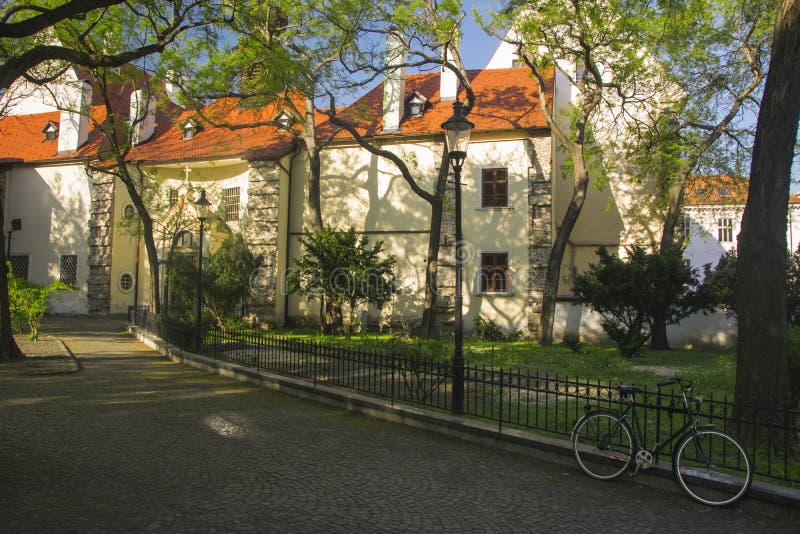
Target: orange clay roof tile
(507,99)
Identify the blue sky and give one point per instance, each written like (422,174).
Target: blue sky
(476,46)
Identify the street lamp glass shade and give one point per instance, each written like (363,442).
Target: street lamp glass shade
(457,130)
(203,206)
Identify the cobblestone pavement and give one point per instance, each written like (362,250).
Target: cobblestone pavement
(136,443)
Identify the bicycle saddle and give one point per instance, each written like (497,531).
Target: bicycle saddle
(627,390)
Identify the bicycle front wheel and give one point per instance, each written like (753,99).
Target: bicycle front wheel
(603,445)
(712,467)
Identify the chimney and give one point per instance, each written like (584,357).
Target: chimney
(142,115)
(394,83)
(448,81)
(73,128)
(172,88)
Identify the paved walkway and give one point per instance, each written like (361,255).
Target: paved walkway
(135,443)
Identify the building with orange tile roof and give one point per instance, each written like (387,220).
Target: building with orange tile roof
(256,174)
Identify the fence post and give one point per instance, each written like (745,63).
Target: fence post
(314,346)
(500,418)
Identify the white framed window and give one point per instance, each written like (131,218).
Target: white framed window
(494,188)
(494,272)
(125,282)
(725,229)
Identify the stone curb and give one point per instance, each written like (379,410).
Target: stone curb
(542,447)
(62,363)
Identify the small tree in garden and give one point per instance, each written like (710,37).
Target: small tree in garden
(720,283)
(340,267)
(28,302)
(226,277)
(627,293)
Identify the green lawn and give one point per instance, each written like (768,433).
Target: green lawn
(713,371)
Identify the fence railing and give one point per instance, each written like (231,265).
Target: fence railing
(522,399)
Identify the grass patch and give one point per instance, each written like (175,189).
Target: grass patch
(713,371)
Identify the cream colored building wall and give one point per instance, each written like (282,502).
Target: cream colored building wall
(53,203)
(124,255)
(368,193)
(213,176)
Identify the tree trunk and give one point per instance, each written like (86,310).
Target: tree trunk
(762,352)
(658,339)
(559,247)
(314,188)
(428,327)
(8,347)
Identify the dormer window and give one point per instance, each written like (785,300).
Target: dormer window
(284,121)
(189,128)
(722,191)
(50,131)
(415,104)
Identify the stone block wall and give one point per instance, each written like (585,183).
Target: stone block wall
(100,236)
(540,227)
(261,234)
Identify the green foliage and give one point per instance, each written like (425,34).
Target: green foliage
(226,279)
(721,284)
(28,302)
(487,330)
(226,275)
(628,293)
(339,267)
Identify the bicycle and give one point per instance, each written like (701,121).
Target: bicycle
(710,465)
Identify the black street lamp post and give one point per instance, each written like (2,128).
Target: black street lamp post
(16,226)
(203,207)
(457,131)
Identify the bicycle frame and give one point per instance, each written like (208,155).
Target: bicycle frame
(630,415)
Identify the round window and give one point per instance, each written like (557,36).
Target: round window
(129,212)
(126,282)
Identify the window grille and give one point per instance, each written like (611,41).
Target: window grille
(172,197)
(129,211)
(126,282)
(232,204)
(69,269)
(20,265)
(725,230)
(494,185)
(493,276)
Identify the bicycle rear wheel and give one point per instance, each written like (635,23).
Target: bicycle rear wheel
(712,467)
(603,445)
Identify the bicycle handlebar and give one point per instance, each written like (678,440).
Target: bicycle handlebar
(685,385)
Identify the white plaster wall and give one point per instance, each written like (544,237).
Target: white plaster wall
(53,203)
(715,330)
(365,192)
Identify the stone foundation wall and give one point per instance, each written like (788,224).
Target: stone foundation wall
(100,237)
(261,234)
(540,227)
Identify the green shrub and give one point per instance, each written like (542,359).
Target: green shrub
(28,302)
(487,330)
(629,293)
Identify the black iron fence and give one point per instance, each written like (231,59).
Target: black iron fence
(521,399)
